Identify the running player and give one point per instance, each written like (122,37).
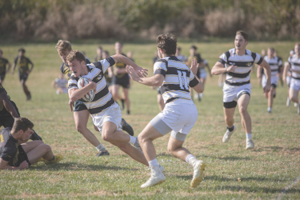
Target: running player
(280,69)
(294,66)
(288,79)
(260,73)
(121,78)
(16,153)
(23,66)
(202,75)
(275,65)
(81,114)
(99,55)
(3,70)
(179,114)
(104,110)
(60,84)
(237,63)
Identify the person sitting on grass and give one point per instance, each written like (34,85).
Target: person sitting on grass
(16,153)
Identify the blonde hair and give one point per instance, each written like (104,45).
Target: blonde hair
(63,45)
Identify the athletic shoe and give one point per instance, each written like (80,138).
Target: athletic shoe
(199,167)
(228,134)
(126,127)
(137,145)
(249,144)
(102,153)
(28,96)
(288,102)
(56,159)
(157,177)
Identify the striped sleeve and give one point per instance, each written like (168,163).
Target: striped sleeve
(258,59)
(106,63)
(193,80)
(72,83)
(160,68)
(223,59)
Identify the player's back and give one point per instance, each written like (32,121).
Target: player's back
(274,63)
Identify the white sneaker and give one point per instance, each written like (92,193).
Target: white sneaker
(288,102)
(228,134)
(295,104)
(157,177)
(249,144)
(199,167)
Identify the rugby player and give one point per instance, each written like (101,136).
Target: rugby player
(105,112)
(16,153)
(23,66)
(179,114)
(3,70)
(60,84)
(237,63)
(99,55)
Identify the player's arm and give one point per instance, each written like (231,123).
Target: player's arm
(219,68)
(195,83)
(53,84)
(31,63)
(110,72)
(258,71)
(75,93)
(209,70)
(4,165)
(120,58)
(267,72)
(155,80)
(8,105)
(14,66)
(285,71)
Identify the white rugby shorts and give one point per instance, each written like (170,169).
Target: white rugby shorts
(203,73)
(274,81)
(231,93)
(112,114)
(295,84)
(288,80)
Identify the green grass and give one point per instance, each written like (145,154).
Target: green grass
(232,172)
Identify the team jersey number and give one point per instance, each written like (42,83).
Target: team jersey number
(1,138)
(183,81)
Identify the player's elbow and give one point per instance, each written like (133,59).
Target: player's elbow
(158,83)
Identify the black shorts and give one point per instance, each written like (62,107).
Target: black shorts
(2,76)
(79,105)
(6,121)
(23,77)
(21,157)
(123,81)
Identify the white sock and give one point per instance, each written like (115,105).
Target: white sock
(153,163)
(100,147)
(190,158)
(249,135)
(269,108)
(132,140)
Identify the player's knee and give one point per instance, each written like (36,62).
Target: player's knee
(243,109)
(107,135)
(142,138)
(46,147)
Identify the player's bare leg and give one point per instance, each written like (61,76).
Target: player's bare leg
(228,115)
(121,140)
(25,89)
(293,94)
(115,92)
(160,101)
(270,99)
(126,99)
(243,103)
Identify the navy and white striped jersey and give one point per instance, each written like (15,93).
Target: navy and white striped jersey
(294,62)
(275,65)
(178,78)
(103,98)
(244,63)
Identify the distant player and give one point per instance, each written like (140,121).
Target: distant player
(288,80)
(275,65)
(160,100)
(280,69)
(121,79)
(16,153)
(105,112)
(99,55)
(109,72)
(237,64)
(261,72)
(3,69)
(80,114)
(202,74)
(23,66)
(179,55)
(60,84)
(179,114)
(294,67)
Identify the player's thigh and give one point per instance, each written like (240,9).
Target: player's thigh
(115,88)
(293,93)
(28,146)
(81,118)
(125,93)
(176,141)
(243,102)
(151,132)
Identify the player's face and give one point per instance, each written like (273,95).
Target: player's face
(270,53)
(240,43)
(192,51)
(297,49)
(118,47)
(21,54)
(99,52)
(76,67)
(26,135)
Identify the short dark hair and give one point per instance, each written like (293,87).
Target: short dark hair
(75,55)
(21,50)
(167,43)
(106,52)
(193,47)
(21,123)
(179,48)
(242,33)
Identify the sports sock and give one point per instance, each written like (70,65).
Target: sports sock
(230,128)
(249,135)
(153,162)
(269,109)
(132,140)
(128,112)
(189,158)
(100,147)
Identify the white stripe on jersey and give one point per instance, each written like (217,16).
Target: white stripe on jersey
(295,65)
(274,63)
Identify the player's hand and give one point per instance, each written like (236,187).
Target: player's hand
(267,88)
(71,104)
(132,73)
(231,68)
(141,72)
(194,66)
(93,85)
(23,165)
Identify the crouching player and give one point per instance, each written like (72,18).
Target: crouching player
(16,153)
(179,114)
(105,112)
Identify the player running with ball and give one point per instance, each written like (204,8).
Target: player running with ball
(179,114)
(105,112)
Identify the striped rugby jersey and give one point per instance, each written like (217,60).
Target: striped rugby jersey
(295,65)
(103,98)
(178,78)
(275,65)
(241,76)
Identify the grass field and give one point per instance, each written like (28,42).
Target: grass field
(232,172)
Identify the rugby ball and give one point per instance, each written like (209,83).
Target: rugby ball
(91,94)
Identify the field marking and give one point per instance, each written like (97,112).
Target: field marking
(287,188)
